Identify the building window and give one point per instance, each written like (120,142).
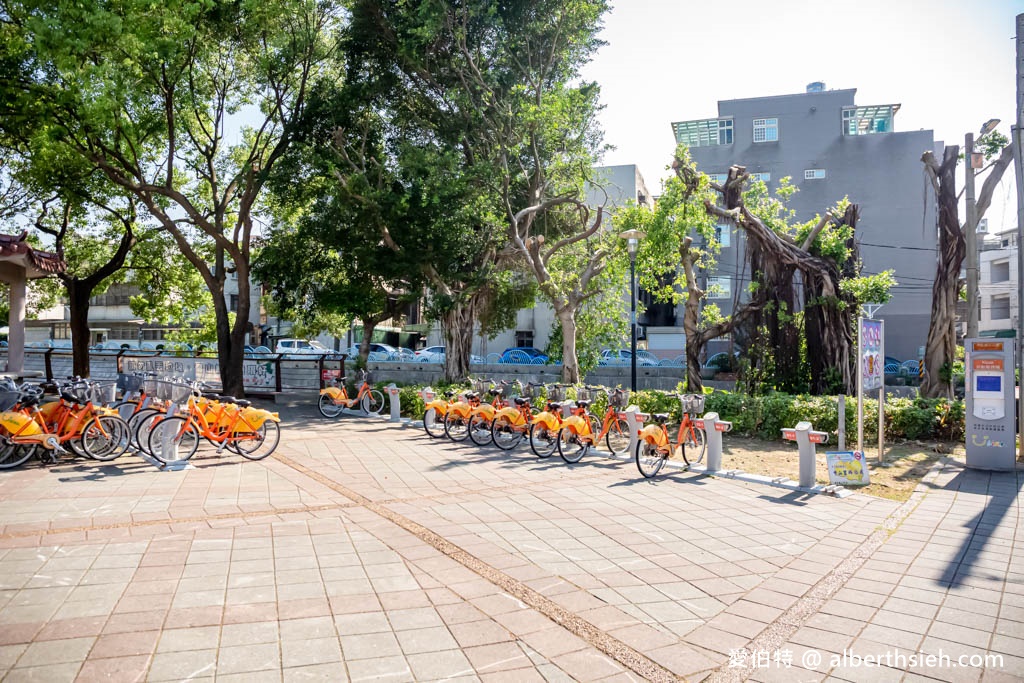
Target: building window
(123,332)
(766,130)
(524,338)
(234,303)
(1001,271)
(814,174)
(869,119)
(766,177)
(719,178)
(723,233)
(719,288)
(704,132)
(1000,308)
(62,331)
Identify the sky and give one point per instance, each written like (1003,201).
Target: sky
(948,63)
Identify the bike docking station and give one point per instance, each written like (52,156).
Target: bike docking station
(396,405)
(427,394)
(806,439)
(713,430)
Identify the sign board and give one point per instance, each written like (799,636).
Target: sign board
(848,468)
(259,374)
(872,363)
(988,364)
(699,423)
(327,374)
(818,437)
(723,426)
(256,373)
(988,346)
(789,434)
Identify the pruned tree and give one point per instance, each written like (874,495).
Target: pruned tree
(940,348)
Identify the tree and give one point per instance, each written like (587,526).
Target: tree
(940,348)
(146,94)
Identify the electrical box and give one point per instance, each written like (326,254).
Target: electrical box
(991,404)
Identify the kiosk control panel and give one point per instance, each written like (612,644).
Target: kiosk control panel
(991,408)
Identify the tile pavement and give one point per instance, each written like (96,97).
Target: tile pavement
(259,570)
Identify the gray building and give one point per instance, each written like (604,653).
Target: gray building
(831,147)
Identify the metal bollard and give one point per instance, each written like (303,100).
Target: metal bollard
(805,439)
(635,419)
(395,402)
(713,429)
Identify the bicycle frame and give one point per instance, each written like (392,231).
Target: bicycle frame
(657,434)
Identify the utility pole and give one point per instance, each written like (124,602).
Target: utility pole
(1019,167)
(972,239)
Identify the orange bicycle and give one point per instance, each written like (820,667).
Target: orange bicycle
(224,421)
(654,446)
(511,425)
(335,398)
(545,424)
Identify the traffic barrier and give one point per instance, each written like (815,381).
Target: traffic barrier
(806,439)
(713,430)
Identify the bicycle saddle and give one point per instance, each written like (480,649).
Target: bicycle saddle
(68,396)
(521,402)
(554,405)
(29,400)
(240,402)
(660,418)
(583,404)
(211,396)
(471,395)
(449,394)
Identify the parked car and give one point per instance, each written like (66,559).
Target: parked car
(623,357)
(435,354)
(717,360)
(524,355)
(301,348)
(3,345)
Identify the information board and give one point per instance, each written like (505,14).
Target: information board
(872,363)
(848,468)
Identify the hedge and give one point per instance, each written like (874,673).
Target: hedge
(765,416)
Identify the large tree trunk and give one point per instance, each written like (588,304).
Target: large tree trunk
(570,363)
(369,325)
(940,349)
(78,303)
(457,328)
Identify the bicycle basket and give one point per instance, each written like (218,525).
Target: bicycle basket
(103,394)
(162,389)
(180,393)
(366,376)
(619,398)
(8,399)
(128,384)
(584,394)
(692,403)
(151,386)
(556,394)
(529,391)
(481,386)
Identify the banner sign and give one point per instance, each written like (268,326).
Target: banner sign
(872,363)
(848,468)
(256,373)
(259,374)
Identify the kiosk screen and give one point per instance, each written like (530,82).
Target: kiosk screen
(988,383)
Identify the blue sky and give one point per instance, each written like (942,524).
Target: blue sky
(949,63)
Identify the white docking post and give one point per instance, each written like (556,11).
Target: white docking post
(713,430)
(805,438)
(635,419)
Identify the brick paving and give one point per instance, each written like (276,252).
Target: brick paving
(371,552)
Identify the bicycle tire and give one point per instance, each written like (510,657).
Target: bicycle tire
(695,445)
(479,430)
(140,425)
(617,438)
(271,434)
(105,438)
(180,433)
(456,428)
(571,446)
(543,441)
(649,460)
(373,401)
(504,434)
(327,406)
(14,454)
(435,427)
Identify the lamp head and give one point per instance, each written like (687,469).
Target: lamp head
(989,126)
(632,238)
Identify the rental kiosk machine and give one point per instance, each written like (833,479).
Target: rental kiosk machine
(991,405)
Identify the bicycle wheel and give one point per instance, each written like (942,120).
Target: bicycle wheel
(572,447)
(373,401)
(173,439)
(543,441)
(696,443)
(13,454)
(141,424)
(327,406)
(480,429)
(617,438)
(505,435)
(649,459)
(105,438)
(433,424)
(126,409)
(268,436)
(456,427)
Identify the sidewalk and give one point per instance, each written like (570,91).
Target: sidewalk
(368,551)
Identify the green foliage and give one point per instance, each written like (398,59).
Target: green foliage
(870,288)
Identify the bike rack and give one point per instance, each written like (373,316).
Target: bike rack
(713,430)
(396,404)
(805,438)
(635,419)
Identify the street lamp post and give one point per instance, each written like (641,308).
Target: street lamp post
(972,228)
(632,238)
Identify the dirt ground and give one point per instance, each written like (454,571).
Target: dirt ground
(906,462)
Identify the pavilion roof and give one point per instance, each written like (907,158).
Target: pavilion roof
(36,262)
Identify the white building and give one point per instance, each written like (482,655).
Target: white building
(997,282)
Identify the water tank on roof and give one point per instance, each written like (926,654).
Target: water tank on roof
(816,86)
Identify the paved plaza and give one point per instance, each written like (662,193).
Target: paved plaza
(365,551)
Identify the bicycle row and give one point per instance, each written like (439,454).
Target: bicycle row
(163,418)
(506,413)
